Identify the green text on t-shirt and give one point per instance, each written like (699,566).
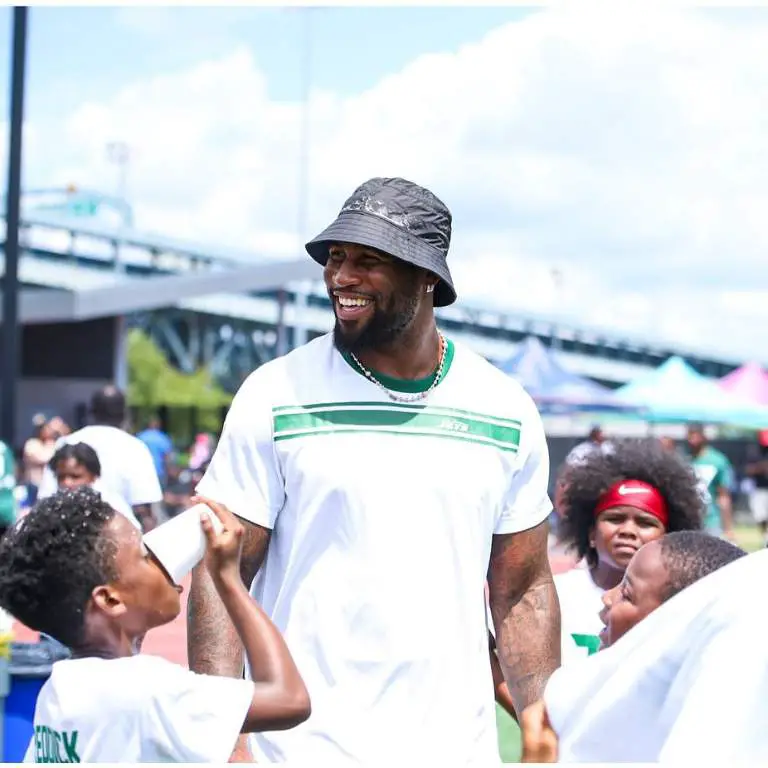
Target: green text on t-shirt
(52,746)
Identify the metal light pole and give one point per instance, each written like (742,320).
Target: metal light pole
(302,213)
(119,153)
(10,368)
(300,331)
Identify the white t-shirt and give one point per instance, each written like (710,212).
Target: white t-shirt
(382,517)
(581,601)
(118,503)
(127,467)
(139,709)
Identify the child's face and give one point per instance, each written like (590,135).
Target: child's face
(641,592)
(70,473)
(621,531)
(148,596)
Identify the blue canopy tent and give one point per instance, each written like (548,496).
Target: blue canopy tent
(555,389)
(675,392)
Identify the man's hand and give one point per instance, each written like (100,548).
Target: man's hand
(539,738)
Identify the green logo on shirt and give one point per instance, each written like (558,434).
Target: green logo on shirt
(55,747)
(590,642)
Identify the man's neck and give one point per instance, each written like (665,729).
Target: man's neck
(412,356)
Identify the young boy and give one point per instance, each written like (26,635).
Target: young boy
(656,573)
(79,571)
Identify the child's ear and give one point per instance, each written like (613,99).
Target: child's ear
(108,600)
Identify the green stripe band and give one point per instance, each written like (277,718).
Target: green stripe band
(425,421)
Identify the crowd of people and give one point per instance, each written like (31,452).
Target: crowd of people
(141,471)
(377,565)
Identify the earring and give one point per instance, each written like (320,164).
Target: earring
(429,288)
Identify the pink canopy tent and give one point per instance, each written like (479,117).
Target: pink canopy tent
(750,382)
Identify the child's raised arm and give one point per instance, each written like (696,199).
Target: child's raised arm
(280,698)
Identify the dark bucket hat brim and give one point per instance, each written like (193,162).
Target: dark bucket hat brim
(367,229)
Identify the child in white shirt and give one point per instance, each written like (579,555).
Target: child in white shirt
(80,572)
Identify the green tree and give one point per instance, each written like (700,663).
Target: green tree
(154,382)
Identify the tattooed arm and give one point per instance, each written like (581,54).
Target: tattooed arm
(526,612)
(213,645)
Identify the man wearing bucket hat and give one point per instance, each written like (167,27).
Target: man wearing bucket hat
(383,473)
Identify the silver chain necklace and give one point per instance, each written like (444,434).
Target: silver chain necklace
(400,397)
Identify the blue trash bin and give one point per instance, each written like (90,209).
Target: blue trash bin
(30,666)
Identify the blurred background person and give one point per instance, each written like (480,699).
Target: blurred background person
(160,446)
(127,467)
(37,453)
(757,471)
(716,481)
(75,465)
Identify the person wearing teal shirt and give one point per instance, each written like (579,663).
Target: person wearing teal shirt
(715,475)
(7,488)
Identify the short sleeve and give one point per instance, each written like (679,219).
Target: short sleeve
(244,473)
(527,503)
(725,477)
(143,482)
(191,718)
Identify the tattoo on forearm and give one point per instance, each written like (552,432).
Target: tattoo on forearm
(526,613)
(535,618)
(213,645)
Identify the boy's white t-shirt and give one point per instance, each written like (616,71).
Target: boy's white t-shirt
(139,709)
(581,601)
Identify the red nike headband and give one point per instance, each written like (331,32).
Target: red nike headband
(636,494)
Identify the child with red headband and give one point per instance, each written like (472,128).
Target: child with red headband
(614,503)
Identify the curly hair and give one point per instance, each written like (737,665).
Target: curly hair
(691,555)
(52,559)
(645,460)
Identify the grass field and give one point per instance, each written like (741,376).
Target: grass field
(748,537)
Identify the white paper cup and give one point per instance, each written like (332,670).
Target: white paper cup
(179,544)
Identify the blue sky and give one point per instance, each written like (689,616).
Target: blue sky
(621,146)
(83,54)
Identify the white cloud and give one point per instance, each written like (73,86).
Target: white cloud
(626,148)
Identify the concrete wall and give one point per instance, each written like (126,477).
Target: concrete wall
(62,365)
(67,398)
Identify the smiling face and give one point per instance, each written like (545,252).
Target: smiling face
(621,531)
(376,297)
(640,593)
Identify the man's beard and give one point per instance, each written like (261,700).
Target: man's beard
(384,328)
